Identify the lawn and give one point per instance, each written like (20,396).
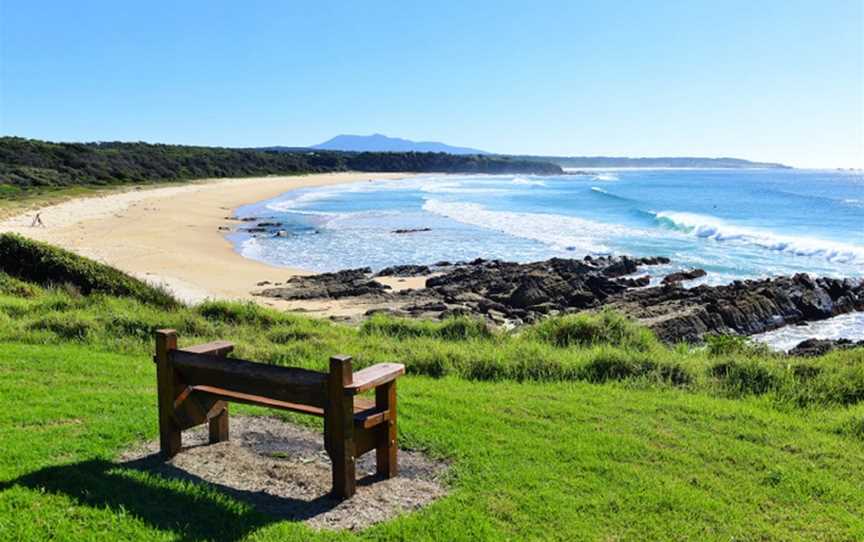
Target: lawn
(553,461)
(582,427)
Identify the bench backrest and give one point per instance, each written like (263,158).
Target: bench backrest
(288,384)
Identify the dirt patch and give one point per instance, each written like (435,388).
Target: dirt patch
(282,470)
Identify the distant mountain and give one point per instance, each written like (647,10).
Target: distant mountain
(660,162)
(382,143)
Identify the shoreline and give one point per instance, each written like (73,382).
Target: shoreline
(170,236)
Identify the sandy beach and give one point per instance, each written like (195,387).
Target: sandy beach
(171,235)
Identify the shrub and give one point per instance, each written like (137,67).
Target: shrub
(287,334)
(452,329)
(748,377)
(12,286)
(727,345)
(464,328)
(235,312)
(47,265)
(67,325)
(590,329)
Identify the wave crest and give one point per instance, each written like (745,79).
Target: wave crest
(559,231)
(709,227)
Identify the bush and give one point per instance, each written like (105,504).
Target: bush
(12,286)
(47,265)
(287,334)
(234,312)
(727,345)
(591,329)
(453,329)
(748,377)
(613,364)
(66,325)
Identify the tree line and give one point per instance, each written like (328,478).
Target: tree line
(27,164)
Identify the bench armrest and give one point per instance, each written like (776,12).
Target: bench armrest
(216,348)
(375,375)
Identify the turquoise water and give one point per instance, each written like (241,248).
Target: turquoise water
(733,223)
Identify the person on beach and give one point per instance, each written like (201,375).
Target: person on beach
(37,221)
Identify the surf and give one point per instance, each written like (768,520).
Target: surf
(710,227)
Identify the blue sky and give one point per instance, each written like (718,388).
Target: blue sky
(765,80)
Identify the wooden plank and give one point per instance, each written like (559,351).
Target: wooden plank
(286,384)
(166,383)
(216,348)
(366,440)
(218,427)
(370,418)
(362,406)
(386,454)
(245,398)
(340,428)
(375,375)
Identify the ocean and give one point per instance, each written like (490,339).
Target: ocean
(735,224)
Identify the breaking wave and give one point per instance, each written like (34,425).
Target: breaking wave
(559,231)
(527,182)
(605,177)
(709,227)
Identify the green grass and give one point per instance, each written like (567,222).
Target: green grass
(590,348)
(578,428)
(545,461)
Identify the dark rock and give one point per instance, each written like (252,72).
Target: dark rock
(684,275)
(404,271)
(817,347)
(348,283)
(743,307)
(412,230)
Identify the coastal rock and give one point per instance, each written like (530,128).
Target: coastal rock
(348,283)
(742,307)
(404,271)
(817,347)
(517,293)
(411,230)
(684,275)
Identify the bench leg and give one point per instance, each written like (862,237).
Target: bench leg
(219,426)
(388,449)
(339,429)
(166,383)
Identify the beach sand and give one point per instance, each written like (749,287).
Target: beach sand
(170,236)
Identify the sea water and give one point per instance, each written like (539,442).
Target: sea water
(735,224)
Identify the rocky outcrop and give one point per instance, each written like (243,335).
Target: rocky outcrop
(516,293)
(411,230)
(348,283)
(404,271)
(818,347)
(743,307)
(684,275)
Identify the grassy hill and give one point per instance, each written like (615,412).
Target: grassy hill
(579,428)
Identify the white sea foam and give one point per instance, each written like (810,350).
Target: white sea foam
(301,199)
(846,326)
(560,231)
(527,182)
(608,177)
(709,227)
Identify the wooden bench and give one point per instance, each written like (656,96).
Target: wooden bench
(196,383)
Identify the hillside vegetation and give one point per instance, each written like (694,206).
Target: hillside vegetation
(27,164)
(583,427)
